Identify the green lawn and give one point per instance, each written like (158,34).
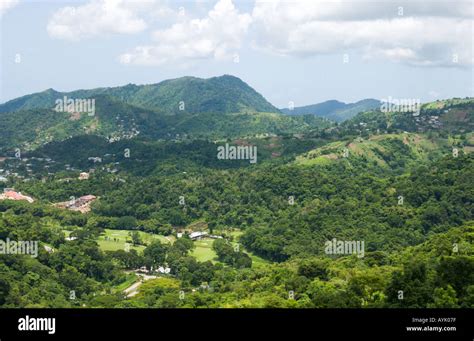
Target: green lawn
(108,245)
(113,240)
(256,260)
(203,250)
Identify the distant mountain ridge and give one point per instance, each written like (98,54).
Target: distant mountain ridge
(335,110)
(224,94)
(210,109)
(187,107)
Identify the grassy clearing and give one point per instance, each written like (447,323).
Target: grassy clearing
(203,250)
(256,260)
(108,245)
(319,160)
(420,146)
(113,240)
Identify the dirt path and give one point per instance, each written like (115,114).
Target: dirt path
(133,289)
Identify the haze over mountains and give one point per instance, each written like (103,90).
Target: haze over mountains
(335,110)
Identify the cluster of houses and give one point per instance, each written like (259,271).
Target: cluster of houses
(26,167)
(98,159)
(161,270)
(431,121)
(125,133)
(22,167)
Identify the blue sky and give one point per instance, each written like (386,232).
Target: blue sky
(287,50)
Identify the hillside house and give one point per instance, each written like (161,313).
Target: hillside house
(81,204)
(94,159)
(86,199)
(83,176)
(10,194)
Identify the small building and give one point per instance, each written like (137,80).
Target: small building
(48,249)
(95,159)
(83,176)
(163,270)
(198,235)
(143,269)
(84,200)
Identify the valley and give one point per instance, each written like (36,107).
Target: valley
(134,208)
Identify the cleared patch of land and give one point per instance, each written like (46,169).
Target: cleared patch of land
(113,240)
(203,250)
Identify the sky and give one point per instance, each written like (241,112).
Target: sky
(300,52)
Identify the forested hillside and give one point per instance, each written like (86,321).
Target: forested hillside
(225,94)
(190,108)
(135,207)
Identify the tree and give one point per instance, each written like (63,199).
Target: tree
(136,240)
(155,254)
(183,246)
(444,298)
(313,268)
(4,290)
(413,285)
(242,260)
(224,250)
(128,260)
(457,272)
(126,223)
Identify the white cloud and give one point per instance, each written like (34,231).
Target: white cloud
(219,35)
(5,5)
(102,17)
(438,33)
(418,34)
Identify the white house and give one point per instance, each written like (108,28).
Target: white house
(197,235)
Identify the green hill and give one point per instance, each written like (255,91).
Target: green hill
(225,94)
(454,116)
(28,129)
(386,151)
(215,108)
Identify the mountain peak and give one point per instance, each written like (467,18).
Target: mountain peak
(222,94)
